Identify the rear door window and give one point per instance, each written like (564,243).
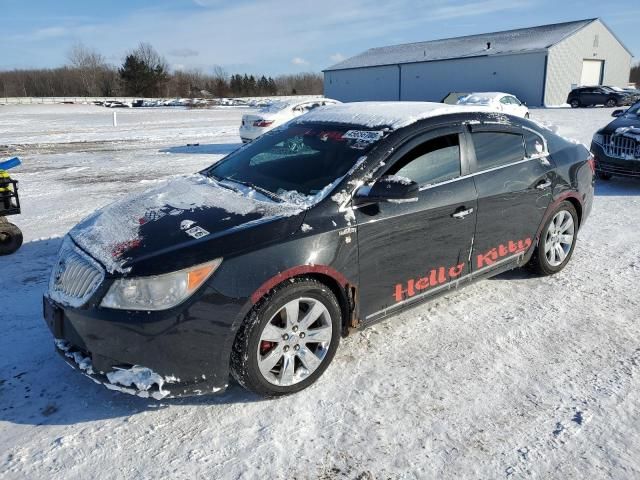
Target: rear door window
(494,149)
(434,161)
(534,144)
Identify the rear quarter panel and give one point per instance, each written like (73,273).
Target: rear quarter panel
(574,176)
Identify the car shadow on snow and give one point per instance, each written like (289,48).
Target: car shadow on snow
(208,149)
(36,385)
(618,187)
(521,273)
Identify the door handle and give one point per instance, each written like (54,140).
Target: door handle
(544,184)
(462,213)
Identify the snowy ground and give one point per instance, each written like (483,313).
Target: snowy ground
(514,377)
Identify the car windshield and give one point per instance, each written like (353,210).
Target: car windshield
(297,162)
(275,107)
(476,100)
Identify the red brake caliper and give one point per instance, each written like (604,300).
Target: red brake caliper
(265,346)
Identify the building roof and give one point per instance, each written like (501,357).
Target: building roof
(496,43)
(393,115)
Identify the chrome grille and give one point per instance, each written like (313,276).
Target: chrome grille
(618,146)
(75,276)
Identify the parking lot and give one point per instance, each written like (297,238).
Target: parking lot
(514,377)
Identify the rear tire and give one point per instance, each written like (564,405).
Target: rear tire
(281,347)
(575,103)
(557,241)
(611,103)
(526,115)
(10,237)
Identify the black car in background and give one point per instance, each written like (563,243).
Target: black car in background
(588,96)
(341,218)
(616,147)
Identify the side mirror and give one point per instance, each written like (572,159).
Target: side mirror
(387,189)
(617,113)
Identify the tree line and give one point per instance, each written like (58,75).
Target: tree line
(635,75)
(145,73)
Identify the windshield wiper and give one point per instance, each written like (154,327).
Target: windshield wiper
(223,185)
(263,191)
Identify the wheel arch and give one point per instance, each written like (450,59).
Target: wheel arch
(578,206)
(340,286)
(570,197)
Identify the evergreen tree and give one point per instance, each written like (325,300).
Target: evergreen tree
(144,72)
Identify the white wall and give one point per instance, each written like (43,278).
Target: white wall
(521,75)
(361,84)
(565,61)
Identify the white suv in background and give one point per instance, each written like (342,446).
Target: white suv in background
(255,124)
(499,101)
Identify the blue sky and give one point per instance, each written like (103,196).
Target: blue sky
(272,36)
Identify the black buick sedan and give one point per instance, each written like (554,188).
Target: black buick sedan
(616,147)
(259,264)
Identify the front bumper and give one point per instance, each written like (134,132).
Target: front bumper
(615,166)
(173,353)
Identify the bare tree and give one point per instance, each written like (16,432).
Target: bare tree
(91,67)
(635,74)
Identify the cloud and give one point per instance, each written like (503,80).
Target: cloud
(337,57)
(299,61)
(184,52)
(50,32)
(472,9)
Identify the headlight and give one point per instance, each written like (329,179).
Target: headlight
(598,138)
(158,292)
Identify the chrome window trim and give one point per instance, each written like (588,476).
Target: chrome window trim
(542,157)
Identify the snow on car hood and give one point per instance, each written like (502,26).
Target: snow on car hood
(179,212)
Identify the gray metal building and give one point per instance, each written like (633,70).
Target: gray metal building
(540,65)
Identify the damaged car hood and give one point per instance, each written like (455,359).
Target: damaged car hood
(195,215)
(624,121)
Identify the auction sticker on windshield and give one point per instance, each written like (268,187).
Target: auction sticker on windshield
(364,135)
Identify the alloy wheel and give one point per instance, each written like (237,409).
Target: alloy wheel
(295,341)
(559,238)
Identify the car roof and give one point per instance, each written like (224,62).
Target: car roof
(279,105)
(393,115)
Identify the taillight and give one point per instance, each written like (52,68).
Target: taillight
(592,163)
(262,123)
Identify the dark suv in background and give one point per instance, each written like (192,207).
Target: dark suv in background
(586,96)
(616,147)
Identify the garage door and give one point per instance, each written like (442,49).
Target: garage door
(591,72)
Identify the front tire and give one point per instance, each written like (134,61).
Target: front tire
(575,103)
(287,342)
(557,241)
(10,237)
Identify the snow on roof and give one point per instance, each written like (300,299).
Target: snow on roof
(382,114)
(509,41)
